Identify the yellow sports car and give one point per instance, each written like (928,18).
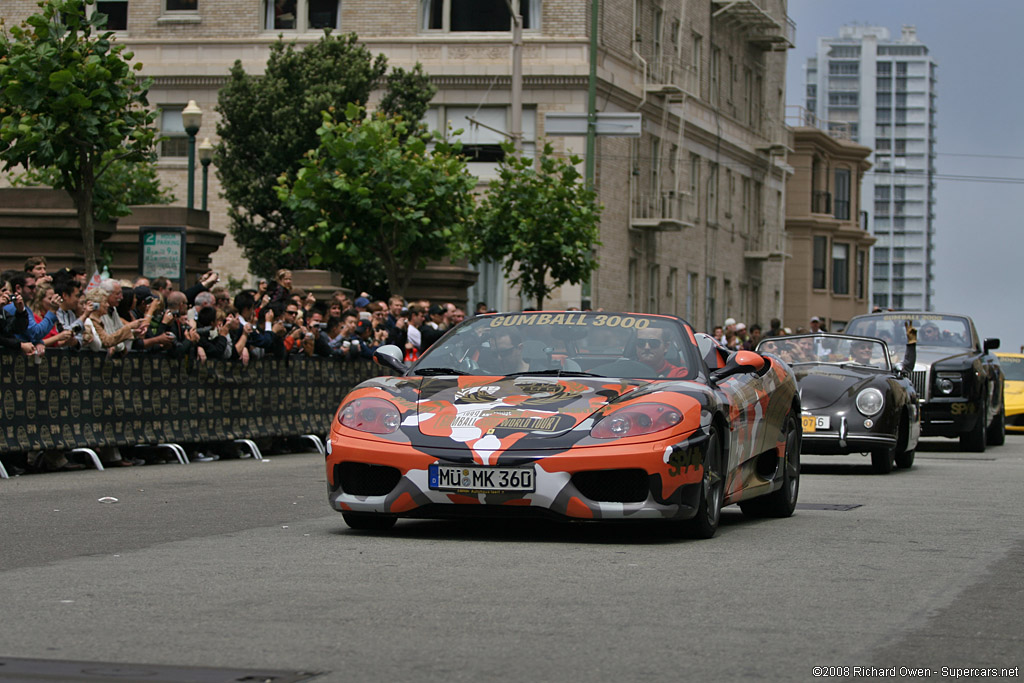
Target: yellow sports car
(1013,389)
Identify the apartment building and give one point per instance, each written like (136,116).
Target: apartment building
(828,273)
(694,208)
(884,88)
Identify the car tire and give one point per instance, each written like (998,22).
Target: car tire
(905,460)
(997,430)
(883,459)
(781,502)
(712,491)
(364,521)
(974,440)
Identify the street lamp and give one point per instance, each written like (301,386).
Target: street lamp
(205,157)
(192,118)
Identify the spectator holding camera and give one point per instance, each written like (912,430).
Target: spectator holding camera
(13,324)
(72,314)
(173,327)
(116,338)
(23,287)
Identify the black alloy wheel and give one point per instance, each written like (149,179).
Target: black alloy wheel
(712,491)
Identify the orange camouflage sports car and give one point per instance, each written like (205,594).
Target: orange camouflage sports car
(571,415)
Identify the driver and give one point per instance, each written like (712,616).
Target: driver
(650,350)
(860,352)
(930,335)
(508,347)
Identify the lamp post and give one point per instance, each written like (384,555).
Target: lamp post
(192,118)
(205,157)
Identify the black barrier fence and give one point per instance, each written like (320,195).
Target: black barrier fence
(72,400)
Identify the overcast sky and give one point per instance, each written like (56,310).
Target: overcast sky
(979,242)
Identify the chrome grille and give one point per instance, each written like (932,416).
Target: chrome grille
(920,380)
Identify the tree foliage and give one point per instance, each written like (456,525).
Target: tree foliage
(373,194)
(268,123)
(71,103)
(541,220)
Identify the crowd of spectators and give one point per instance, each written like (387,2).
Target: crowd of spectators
(41,311)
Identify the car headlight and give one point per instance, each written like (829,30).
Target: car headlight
(949,384)
(637,420)
(374,415)
(870,402)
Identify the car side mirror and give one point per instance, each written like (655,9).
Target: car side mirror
(390,356)
(991,343)
(739,363)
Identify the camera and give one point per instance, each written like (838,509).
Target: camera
(320,326)
(288,326)
(204,330)
(94,306)
(77,327)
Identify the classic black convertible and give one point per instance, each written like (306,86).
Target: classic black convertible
(958,379)
(854,397)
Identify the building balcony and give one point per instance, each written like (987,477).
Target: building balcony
(669,76)
(762,29)
(662,212)
(765,247)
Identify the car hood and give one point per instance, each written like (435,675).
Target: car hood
(542,406)
(929,355)
(823,385)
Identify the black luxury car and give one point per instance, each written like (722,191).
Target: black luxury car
(958,379)
(855,397)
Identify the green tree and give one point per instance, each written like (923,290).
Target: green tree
(373,194)
(541,220)
(269,122)
(71,103)
(125,184)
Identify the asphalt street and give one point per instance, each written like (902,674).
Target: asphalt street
(242,564)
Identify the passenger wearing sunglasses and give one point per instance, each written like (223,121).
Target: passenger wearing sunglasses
(650,350)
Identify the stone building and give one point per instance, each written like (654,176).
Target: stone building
(694,208)
(827,275)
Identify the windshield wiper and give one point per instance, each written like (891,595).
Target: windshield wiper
(560,373)
(427,372)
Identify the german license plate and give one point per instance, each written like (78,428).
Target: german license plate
(471,479)
(812,423)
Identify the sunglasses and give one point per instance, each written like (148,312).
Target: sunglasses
(648,343)
(291,312)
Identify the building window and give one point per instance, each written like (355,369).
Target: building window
(482,132)
(695,183)
(653,288)
(843,68)
(301,15)
(820,268)
(117,13)
(710,317)
(713,193)
(475,15)
(696,56)
(172,127)
(672,289)
(861,272)
(884,69)
(691,296)
(181,5)
(631,286)
(840,268)
(841,194)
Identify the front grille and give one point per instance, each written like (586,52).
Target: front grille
(920,380)
(613,486)
(360,479)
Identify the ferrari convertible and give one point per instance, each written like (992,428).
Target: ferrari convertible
(568,415)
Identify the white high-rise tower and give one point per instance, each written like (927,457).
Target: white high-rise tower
(884,90)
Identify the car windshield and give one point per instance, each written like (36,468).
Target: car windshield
(830,348)
(1013,367)
(946,331)
(602,344)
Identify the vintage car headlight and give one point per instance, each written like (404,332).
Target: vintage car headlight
(636,420)
(949,384)
(870,402)
(374,415)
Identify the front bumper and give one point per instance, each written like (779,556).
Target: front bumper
(846,436)
(670,473)
(949,417)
